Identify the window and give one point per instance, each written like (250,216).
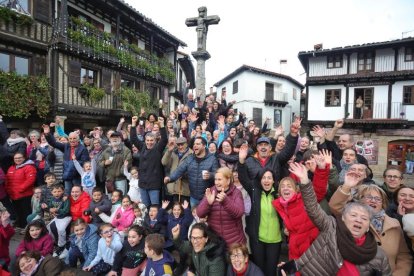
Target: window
(12,63)
(235,87)
(333,97)
(277,118)
(295,94)
(257,116)
(270,88)
(365,62)
(408,94)
(20,6)
(409,54)
(127,83)
(335,61)
(88,76)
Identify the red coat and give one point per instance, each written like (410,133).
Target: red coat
(77,207)
(6,233)
(43,244)
(20,180)
(302,231)
(225,218)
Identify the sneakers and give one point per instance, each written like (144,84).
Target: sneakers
(64,254)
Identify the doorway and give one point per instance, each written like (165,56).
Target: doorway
(367,96)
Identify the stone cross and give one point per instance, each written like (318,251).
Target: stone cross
(201,55)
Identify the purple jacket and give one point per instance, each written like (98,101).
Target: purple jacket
(43,244)
(225,218)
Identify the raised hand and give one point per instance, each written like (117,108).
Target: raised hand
(319,160)
(175,231)
(165,204)
(210,195)
(300,171)
(243,152)
(126,163)
(122,120)
(46,129)
(171,144)
(339,123)
(185,204)
(327,155)
(279,131)
(142,113)
(352,179)
(203,126)
(295,127)
(319,131)
(161,121)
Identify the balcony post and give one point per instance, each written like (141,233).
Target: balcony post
(389,101)
(346,100)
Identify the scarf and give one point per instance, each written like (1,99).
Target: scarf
(14,141)
(243,272)
(378,221)
(344,169)
(348,248)
(285,203)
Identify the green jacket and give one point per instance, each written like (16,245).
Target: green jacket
(115,171)
(208,262)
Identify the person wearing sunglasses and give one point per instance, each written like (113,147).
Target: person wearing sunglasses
(387,230)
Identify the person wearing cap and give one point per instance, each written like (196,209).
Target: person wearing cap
(113,158)
(151,171)
(6,233)
(264,158)
(74,147)
(200,167)
(177,152)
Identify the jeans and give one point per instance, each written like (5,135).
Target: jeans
(150,197)
(74,255)
(194,202)
(121,185)
(69,184)
(409,166)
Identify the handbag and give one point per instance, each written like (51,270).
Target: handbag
(110,186)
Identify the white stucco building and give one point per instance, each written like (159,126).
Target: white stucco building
(262,94)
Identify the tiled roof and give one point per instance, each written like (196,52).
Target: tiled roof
(257,70)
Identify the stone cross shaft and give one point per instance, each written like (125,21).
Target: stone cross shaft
(201,55)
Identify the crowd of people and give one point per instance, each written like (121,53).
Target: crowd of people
(199,191)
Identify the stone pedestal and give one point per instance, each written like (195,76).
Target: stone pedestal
(201,57)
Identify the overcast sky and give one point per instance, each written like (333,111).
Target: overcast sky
(262,32)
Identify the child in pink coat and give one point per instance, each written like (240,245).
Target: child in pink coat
(36,238)
(124,216)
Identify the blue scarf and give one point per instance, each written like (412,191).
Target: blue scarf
(378,221)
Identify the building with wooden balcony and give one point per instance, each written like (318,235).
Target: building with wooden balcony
(91,50)
(381,74)
(262,94)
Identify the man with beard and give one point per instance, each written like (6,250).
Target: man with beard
(70,175)
(151,171)
(200,168)
(113,158)
(265,158)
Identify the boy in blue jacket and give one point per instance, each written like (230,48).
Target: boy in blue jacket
(159,261)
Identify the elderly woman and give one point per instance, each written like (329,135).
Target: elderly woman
(224,206)
(240,265)
(20,181)
(387,231)
(31,263)
(205,249)
(345,246)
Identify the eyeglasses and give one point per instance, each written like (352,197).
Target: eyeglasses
(196,239)
(236,256)
(393,176)
(107,231)
(372,198)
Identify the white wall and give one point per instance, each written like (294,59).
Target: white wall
(384,60)
(316,104)
(402,64)
(251,95)
(397,96)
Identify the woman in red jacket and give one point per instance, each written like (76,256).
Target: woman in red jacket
(79,202)
(20,180)
(299,228)
(223,205)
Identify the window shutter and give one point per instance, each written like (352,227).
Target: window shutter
(107,81)
(257,116)
(74,73)
(41,10)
